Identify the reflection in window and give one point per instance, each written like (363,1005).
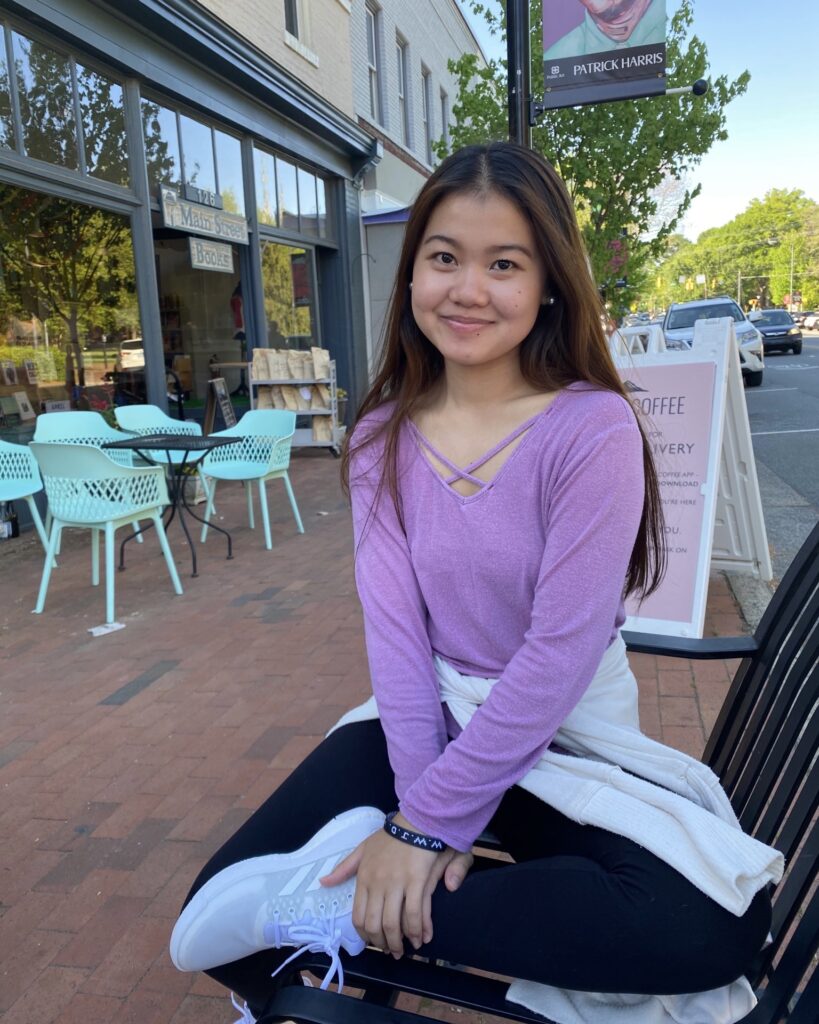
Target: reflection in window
(322,207)
(67,292)
(6,119)
(289,296)
(307,203)
(46,102)
(264,166)
(288,195)
(103,126)
(161,146)
(197,153)
(229,168)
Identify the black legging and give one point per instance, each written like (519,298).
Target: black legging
(581,908)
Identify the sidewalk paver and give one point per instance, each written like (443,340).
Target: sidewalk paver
(127,759)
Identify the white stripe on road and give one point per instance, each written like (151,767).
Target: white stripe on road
(768,391)
(766,433)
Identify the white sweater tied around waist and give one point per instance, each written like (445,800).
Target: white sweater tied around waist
(618,779)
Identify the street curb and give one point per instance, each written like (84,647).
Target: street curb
(752,595)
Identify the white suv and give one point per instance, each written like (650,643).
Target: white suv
(678,328)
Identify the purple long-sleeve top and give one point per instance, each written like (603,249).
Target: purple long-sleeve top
(521,581)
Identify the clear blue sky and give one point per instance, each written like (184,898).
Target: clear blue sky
(773,130)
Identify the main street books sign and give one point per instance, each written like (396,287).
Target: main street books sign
(595,51)
(199,219)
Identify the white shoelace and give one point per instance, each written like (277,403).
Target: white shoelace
(313,935)
(245,1016)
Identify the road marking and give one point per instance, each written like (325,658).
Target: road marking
(765,433)
(784,369)
(768,391)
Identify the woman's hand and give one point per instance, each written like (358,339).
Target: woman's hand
(394,888)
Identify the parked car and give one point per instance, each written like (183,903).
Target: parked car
(779,332)
(131,354)
(811,322)
(799,317)
(678,328)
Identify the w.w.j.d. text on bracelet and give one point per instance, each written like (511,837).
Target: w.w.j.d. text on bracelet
(406,835)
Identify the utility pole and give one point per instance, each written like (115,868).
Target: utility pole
(790,291)
(517,59)
(739,288)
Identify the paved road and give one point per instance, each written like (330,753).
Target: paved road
(784,418)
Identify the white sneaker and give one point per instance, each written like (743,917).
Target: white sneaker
(277,900)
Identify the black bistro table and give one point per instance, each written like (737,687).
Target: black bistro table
(193,448)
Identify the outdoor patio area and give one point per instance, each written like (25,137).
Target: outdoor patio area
(127,759)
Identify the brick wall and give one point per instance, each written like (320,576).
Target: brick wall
(434,31)
(319,57)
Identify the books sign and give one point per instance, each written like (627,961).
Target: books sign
(207,255)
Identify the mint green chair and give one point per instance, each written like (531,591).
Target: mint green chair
(87,428)
(150,419)
(79,427)
(263,454)
(89,490)
(20,481)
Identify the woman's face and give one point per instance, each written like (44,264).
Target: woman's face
(477,281)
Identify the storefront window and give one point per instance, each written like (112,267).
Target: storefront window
(308,208)
(6,117)
(197,153)
(265,173)
(68,306)
(288,195)
(103,126)
(229,168)
(289,296)
(202,318)
(46,93)
(322,207)
(161,146)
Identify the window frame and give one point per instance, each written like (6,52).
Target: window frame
(426,110)
(445,115)
(292,18)
(372,14)
(402,46)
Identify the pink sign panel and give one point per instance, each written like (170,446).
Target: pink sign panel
(675,405)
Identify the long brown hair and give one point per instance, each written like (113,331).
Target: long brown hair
(566,344)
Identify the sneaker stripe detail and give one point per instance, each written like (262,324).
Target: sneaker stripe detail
(324,869)
(296,880)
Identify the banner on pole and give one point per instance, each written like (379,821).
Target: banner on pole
(595,51)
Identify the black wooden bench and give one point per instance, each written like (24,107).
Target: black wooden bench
(763,747)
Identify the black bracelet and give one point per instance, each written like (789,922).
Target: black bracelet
(405,835)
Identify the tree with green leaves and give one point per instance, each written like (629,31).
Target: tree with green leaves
(758,255)
(617,159)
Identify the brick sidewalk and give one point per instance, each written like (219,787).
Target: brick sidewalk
(126,760)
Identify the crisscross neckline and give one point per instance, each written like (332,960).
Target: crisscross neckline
(467,473)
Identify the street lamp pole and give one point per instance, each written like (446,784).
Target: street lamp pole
(518,81)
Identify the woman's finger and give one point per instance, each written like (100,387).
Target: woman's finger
(413,916)
(457,870)
(373,919)
(344,869)
(391,923)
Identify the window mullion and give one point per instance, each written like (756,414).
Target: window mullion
(80,134)
(16,116)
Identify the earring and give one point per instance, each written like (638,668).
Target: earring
(548,302)
(410,285)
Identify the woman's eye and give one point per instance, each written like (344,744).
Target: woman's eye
(504,264)
(445,257)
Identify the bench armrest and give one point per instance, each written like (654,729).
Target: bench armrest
(687,647)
